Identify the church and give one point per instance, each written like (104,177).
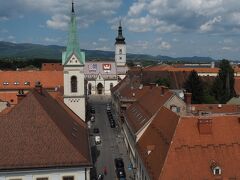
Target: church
(97,78)
(76,77)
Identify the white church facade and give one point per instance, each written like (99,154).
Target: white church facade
(82,78)
(101,76)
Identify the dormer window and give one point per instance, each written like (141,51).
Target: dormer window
(5,83)
(217,170)
(16,83)
(26,83)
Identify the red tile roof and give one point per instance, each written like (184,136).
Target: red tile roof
(181,151)
(140,112)
(49,79)
(42,132)
(52,67)
(194,153)
(10,97)
(159,135)
(215,108)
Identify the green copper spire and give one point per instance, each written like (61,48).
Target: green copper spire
(73,42)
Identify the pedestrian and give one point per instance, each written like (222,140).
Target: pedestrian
(105,170)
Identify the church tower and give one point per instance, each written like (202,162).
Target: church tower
(73,61)
(120,48)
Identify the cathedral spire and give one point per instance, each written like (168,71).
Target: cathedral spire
(120,39)
(72,6)
(73,42)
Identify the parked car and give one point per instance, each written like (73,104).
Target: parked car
(92,119)
(96,130)
(108,107)
(112,124)
(92,110)
(97,140)
(100,177)
(119,165)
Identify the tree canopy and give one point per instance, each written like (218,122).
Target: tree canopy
(223,86)
(194,85)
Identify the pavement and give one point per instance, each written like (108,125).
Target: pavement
(112,145)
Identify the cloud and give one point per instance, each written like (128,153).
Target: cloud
(136,8)
(58,22)
(164,46)
(3,18)
(87,11)
(50,40)
(142,24)
(103,48)
(184,16)
(102,40)
(208,26)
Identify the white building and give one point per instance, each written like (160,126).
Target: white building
(101,76)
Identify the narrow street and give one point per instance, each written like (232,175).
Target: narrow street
(112,145)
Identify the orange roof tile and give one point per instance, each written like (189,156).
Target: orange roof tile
(215,108)
(159,134)
(140,112)
(49,79)
(180,148)
(192,154)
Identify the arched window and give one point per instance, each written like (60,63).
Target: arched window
(111,86)
(120,51)
(73,84)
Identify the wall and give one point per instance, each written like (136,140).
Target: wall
(176,101)
(77,105)
(53,174)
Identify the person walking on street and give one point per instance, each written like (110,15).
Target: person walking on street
(105,170)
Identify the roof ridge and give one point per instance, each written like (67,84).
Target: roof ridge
(61,129)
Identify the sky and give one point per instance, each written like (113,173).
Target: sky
(177,28)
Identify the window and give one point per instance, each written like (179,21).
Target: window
(73,84)
(111,85)
(68,178)
(217,171)
(120,51)
(16,83)
(42,178)
(5,83)
(26,83)
(120,58)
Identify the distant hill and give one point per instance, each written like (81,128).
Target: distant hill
(30,51)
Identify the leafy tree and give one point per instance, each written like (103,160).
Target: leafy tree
(194,85)
(163,82)
(223,86)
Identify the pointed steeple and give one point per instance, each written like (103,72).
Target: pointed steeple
(120,39)
(73,42)
(72,6)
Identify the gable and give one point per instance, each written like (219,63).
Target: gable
(73,60)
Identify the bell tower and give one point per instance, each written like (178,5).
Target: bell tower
(73,60)
(120,48)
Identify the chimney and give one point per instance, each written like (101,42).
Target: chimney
(20,95)
(205,126)
(188,98)
(164,89)
(38,87)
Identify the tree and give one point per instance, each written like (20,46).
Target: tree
(223,86)
(163,82)
(194,85)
